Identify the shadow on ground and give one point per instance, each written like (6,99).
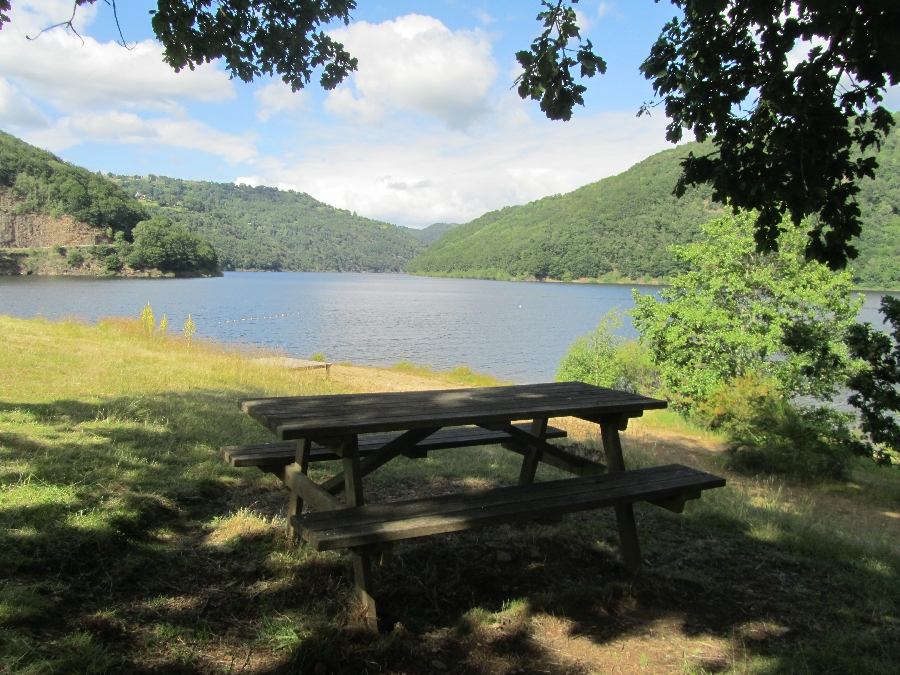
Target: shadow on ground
(113,559)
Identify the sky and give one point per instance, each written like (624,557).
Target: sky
(429,129)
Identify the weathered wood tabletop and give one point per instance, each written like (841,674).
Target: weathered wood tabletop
(335,415)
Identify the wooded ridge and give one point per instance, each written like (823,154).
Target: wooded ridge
(620,229)
(264,228)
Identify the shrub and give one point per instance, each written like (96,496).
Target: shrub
(111,263)
(607,360)
(319,357)
(768,434)
(75,258)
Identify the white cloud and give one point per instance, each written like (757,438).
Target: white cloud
(417,178)
(18,111)
(69,72)
(128,128)
(416,64)
(277,98)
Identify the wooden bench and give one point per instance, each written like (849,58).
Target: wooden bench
(668,486)
(273,456)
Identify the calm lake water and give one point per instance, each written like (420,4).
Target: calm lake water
(515,331)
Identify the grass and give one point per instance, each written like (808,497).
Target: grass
(127,544)
(458,374)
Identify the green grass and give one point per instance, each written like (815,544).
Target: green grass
(458,374)
(128,545)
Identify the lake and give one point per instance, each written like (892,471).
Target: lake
(514,331)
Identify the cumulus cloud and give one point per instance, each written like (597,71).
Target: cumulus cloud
(420,177)
(69,72)
(18,111)
(126,127)
(276,98)
(416,64)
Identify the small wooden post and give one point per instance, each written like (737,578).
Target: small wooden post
(532,455)
(295,501)
(612,448)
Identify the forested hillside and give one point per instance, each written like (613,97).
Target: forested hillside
(41,183)
(620,228)
(266,228)
(432,233)
(58,218)
(617,228)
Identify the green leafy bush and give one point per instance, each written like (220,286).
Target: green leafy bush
(607,360)
(768,434)
(75,258)
(738,311)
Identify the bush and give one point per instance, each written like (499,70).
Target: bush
(75,258)
(768,434)
(318,357)
(607,360)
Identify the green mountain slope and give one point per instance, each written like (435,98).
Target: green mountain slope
(620,228)
(266,228)
(617,228)
(41,183)
(432,233)
(58,218)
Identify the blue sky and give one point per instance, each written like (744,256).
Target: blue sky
(428,130)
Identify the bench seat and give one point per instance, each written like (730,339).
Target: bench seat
(382,523)
(283,453)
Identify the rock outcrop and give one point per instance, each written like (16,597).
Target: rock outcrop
(30,230)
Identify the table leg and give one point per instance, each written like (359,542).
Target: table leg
(362,576)
(362,560)
(532,455)
(352,475)
(612,448)
(295,501)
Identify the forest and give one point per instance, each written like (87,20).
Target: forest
(264,228)
(621,228)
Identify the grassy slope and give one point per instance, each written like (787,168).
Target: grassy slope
(127,545)
(620,228)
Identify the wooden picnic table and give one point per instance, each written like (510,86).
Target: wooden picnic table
(368,430)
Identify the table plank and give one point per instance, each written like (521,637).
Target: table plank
(295,417)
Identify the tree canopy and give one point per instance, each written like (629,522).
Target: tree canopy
(737,312)
(790,131)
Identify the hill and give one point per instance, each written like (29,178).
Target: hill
(264,228)
(58,218)
(432,233)
(620,228)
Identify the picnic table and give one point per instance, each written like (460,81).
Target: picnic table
(365,431)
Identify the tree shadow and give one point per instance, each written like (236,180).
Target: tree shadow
(110,564)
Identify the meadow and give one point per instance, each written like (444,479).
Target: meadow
(128,545)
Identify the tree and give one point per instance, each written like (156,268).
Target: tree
(790,139)
(170,247)
(874,387)
(738,312)
(607,360)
